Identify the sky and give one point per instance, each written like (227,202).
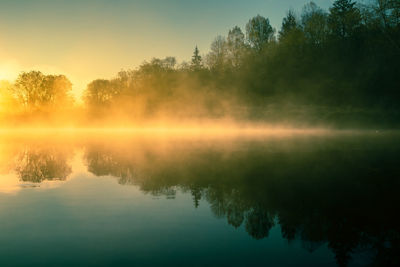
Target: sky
(90,39)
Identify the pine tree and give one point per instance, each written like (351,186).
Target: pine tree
(196,59)
(344,18)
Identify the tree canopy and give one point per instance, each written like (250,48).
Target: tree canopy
(35,90)
(335,65)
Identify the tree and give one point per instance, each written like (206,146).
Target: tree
(28,88)
(289,24)
(157,66)
(100,93)
(314,22)
(57,89)
(169,62)
(216,59)
(344,18)
(35,90)
(388,12)
(235,46)
(196,60)
(259,32)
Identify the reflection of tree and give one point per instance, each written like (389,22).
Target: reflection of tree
(196,193)
(259,222)
(101,163)
(39,165)
(341,195)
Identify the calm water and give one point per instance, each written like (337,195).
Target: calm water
(306,200)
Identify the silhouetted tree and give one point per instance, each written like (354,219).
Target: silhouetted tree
(336,67)
(36,90)
(235,46)
(217,57)
(289,24)
(100,93)
(259,32)
(314,21)
(196,59)
(388,12)
(344,18)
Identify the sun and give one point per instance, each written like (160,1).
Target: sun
(6,74)
(9,70)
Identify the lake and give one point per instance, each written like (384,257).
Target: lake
(124,199)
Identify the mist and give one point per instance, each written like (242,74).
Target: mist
(333,68)
(272,146)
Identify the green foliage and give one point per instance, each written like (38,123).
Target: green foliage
(259,32)
(344,18)
(315,24)
(336,63)
(289,24)
(337,67)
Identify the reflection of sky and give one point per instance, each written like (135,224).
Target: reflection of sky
(96,221)
(100,220)
(95,39)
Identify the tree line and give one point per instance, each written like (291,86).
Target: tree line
(334,61)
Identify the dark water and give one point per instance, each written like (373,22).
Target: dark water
(144,201)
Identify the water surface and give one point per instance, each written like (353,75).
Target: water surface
(135,199)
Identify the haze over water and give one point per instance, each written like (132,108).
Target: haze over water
(199,133)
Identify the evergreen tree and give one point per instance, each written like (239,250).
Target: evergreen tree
(196,59)
(344,18)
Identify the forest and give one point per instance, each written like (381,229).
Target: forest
(336,67)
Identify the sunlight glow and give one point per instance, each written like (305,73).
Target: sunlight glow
(173,130)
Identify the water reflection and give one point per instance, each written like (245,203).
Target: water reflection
(35,165)
(26,164)
(340,191)
(343,192)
